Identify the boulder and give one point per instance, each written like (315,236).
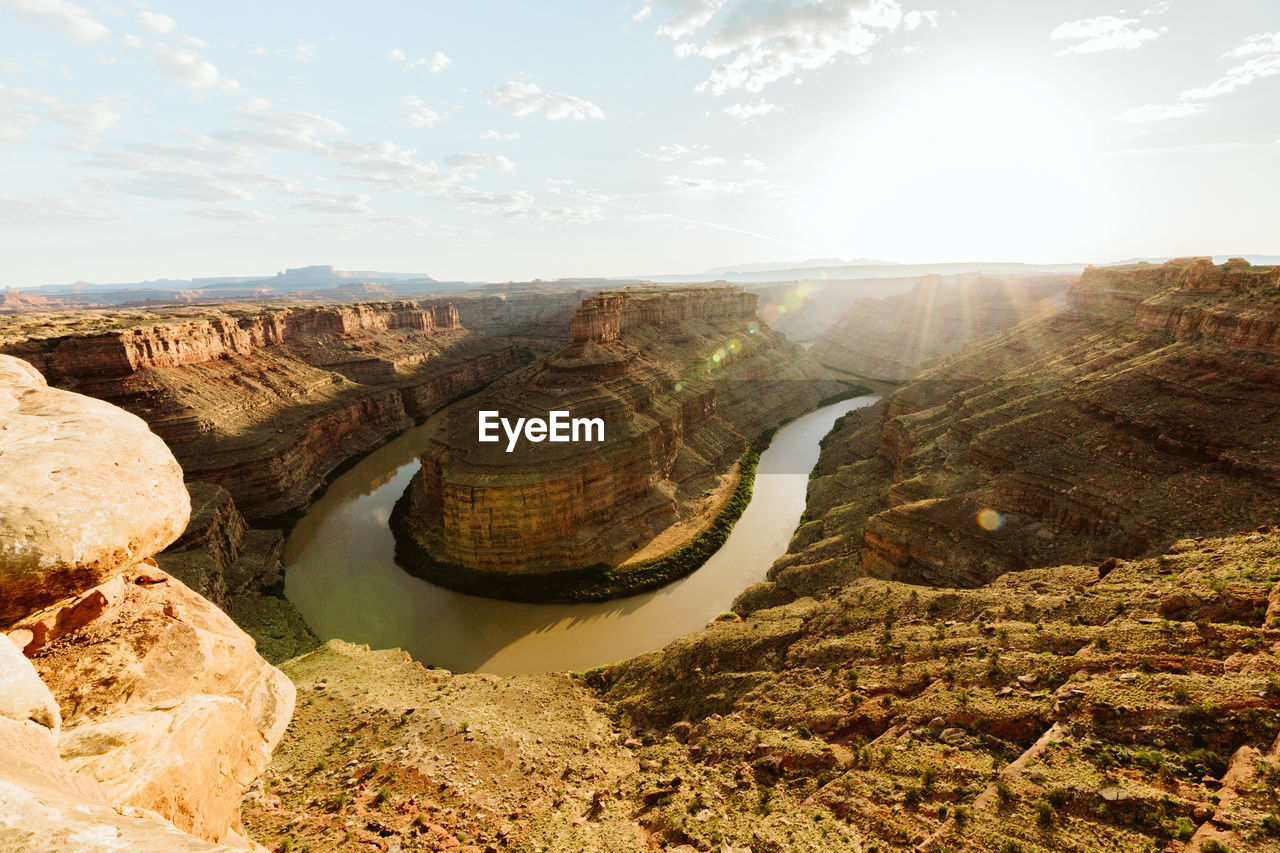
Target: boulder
(143,638)
(87,490)
(46,807)
(23,696)
(190,760)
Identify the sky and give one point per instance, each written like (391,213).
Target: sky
(491,140)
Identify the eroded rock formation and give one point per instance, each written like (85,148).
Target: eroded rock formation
(133,713)
(1144,412)
(887,338)
(266,402)
(683,380)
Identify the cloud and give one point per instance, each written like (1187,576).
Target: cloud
(435,64)
(20,110)
(386,165)
(1103,33)
(712,185)
(522,205)
(41,211)
(184,66)
(156,22)
(762,42)
(417,113)
(917,18)
(325,201)
(231,215)
(708,161)
(753,163)
(203,151)
(60,18)
(673,152)
(522,98)
(464,162)
(1261,55)
(305,51)
(170,185)
(748,111)
(439,62)
(494,134)
(1159,112)
(257,124)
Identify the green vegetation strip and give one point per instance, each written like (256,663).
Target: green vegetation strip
(599,582)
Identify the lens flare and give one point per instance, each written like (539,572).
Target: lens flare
(989,519)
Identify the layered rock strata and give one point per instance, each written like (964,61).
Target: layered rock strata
(133,713)
(683,380)
(266,402)
(1144,412)
(887,338)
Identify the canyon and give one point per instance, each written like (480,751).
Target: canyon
(885,339)
(683,381)
(1033,604)
(266,401)
(1141,414)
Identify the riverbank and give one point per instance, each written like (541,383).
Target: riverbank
(599,582)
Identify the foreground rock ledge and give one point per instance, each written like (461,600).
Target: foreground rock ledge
(87,489)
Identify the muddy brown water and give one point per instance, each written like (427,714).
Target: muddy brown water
(341,573)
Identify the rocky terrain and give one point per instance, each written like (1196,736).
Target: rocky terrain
(683,379)
(266,401)
(134,714)
(887,338)
(1034,606)
(1131,705)
(1143,413)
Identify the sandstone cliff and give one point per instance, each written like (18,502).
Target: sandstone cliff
(265,402)
(133,713)
(683,378)
(1143,413)
(887,338)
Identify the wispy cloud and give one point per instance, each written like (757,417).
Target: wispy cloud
(417,113)
(35,211)
(524,98)
(60,18)
(184,66)
(1104,33)
(1261,55)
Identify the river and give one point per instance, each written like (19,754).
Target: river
(341,573)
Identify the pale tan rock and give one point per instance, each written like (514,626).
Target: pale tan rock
(23,696)
(86,489)
(189,760)
(142,638)
(45,807)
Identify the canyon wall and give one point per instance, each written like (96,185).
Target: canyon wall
(265,402)
(1142,413)
(683,379)
(887,338)
(133,713)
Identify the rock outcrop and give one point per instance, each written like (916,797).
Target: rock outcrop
(265,402)
(240,569)
(887,338)
(683,380)
(1143,413)
(133,713)
(68,518)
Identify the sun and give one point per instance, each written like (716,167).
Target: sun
(962,166)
